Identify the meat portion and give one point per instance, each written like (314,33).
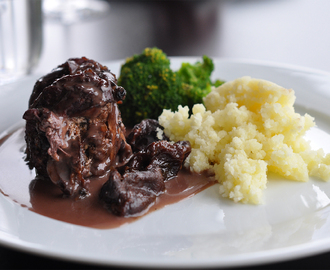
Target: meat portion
(74,132)
(73,125)
(145,133)
(134,187)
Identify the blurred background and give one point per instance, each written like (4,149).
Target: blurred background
(287,31)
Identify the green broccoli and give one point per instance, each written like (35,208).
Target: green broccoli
(150,84)
(196,81)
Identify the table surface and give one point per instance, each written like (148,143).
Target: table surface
(293,32)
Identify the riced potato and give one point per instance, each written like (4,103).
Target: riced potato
(248,127)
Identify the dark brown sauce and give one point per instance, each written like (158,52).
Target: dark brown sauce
(4,138)
(46,199)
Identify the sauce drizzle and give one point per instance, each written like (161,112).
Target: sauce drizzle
(47,199)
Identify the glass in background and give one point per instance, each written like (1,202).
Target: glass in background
(20,38)
(68,12)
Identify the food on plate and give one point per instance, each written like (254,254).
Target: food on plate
(153,85)
(134,187)
(248,127)
(76,138)
(145,133)
(73,125)
(74,133)
(195,81)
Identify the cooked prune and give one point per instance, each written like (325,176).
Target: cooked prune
(133,188)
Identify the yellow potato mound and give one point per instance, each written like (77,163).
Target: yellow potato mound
(247,127)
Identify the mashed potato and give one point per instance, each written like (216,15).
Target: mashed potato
(247,128)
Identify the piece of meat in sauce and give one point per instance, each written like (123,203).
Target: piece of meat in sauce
(144,134)
(133,188)
(73,125)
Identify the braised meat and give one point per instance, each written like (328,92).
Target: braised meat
(133,188)
(74,132)
(144,134)
(73,125)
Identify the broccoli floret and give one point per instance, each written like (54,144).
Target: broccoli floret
(150,84)
(196,81)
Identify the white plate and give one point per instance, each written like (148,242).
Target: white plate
(202,231)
